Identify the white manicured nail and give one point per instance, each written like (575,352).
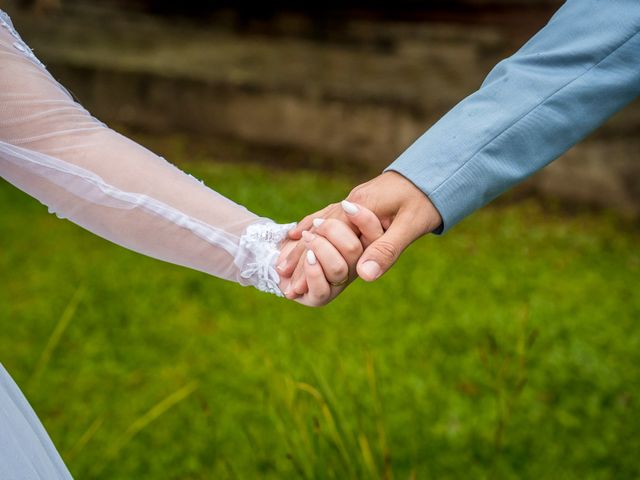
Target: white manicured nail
(317,222)
(348,207)
(311,257)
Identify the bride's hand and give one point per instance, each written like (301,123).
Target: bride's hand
(326,257)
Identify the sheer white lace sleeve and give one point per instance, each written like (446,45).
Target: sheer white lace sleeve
(54,150)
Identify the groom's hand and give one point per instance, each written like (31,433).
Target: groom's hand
(404,211)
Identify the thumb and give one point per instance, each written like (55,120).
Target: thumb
(383,253)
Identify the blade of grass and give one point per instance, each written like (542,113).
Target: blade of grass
(145,420)
(335,433)
(56,335)
(367,456)
(379,419)
(84,439)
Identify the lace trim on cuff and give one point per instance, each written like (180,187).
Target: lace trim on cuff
(259,250)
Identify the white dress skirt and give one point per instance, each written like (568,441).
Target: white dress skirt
(54,150)
(26,451)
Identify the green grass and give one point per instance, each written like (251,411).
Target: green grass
(510,348)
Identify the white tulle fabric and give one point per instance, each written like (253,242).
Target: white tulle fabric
(53,149)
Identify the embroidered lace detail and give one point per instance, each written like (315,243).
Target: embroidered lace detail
(19,44)
(259,250)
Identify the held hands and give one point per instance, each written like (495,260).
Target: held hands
(363,236)
(323,258)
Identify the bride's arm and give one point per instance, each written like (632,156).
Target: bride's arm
(53,149)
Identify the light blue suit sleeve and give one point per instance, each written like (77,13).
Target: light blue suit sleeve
(581,68)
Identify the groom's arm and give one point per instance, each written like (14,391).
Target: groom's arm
(567,80)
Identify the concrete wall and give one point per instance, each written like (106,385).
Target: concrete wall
(362,95)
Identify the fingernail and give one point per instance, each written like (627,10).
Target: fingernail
(370,269)
(311,257)
(308,236)
(348,207)
(317,222)
(281,266)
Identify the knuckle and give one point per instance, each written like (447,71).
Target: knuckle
(386,249)
(338,271)
(299,288)
(319,299)
(358,195)
(323,296)
(353,248)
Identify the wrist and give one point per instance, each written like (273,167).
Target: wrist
(390,193)
(415,199)
(432,215)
